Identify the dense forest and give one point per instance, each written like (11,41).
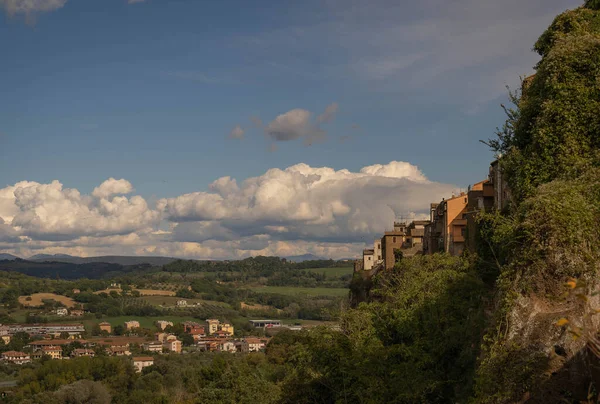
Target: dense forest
(514,322)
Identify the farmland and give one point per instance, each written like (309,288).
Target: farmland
(334,272)
(297,291)
(172,300)
(37,299)
(143,292)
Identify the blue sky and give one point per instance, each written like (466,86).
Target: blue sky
(149,91)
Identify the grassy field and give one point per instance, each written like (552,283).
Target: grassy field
(37,299)
(333,272)
(172,300)
(292,291)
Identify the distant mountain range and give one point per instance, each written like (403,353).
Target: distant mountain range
(126,260)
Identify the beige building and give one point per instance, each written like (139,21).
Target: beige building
(53,351)
(212,326)
(153,346)
(173,345)
(162,324)
(392,240)
(226,328)
(256,344)
(368,259)
(141,362)
(16,357)
(133,324)
(447,230)
(79,352)
(104,326)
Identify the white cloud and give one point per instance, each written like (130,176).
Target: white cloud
(297,210)
(31,6)
(49,212)
(112,187)
(237,133)
(329,114)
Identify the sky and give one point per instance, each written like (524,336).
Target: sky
(217,130)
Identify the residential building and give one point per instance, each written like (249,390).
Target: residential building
(242,346)
(212,326)
(140,362)
(497,178)
(4,330)
(118,351)
(162,324)
(104,326)
(227,346)
(265,323)
(377,252)
(368,259)
(5,339)
(76,313)
(61,311)
(53,351)
(391,241)
(182,303)
(16,357)
(153,347)
(132,324)
(173,345)
(193,328)
(480,198)
(161,336)
(221,334)
(256,344)
(226,328)
(79,352)
(447,230)
(47,329)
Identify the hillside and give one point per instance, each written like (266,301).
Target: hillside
(110,259)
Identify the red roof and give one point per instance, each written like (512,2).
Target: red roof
(143,358)
(14,353)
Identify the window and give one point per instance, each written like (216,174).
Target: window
(393,239)
(465,200)
(369,258)
(462,231)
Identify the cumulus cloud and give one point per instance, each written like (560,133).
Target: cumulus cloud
(296,210)
(29,7)
(51,212)
(112,187)
(297,123)
(237,133)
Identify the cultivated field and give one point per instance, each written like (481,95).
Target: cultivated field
(172,300)
(292,291)
(143,292)
(256,306)
(333,272)
(38,298)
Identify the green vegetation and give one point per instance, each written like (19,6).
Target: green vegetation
(333,272)
(294,291)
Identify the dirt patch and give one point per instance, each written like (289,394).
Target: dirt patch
(38,298)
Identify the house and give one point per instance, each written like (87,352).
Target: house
(53,351)
(79,352)
(173,345)
(5,339)
(62,311)
(154,346)
(368,259)
(76,313)
(208,345)
(227,346)
(4,330)
(162,324)
(212,326)
(242,346)
(181,303)
(256,344)
(391,241)
(221,334)
(104,326)
(265,323)
(193,328)
(73,330)
(447,230)
(132,324)
(161,336)
(118,351)
(140,362)
(480,198)
(16,357)
(226,328)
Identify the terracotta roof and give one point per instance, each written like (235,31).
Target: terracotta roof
(143,358)
(14,353)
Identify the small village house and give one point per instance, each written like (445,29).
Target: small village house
(61,311)
(226,328)
(153,346)
(53,351)
(212,326)
(16,357)
(79,352)
(104,326)
(182,303)
(162,324)
(132,324)
(172,345)
(141,362)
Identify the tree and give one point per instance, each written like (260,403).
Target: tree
(118,329)
(83,391)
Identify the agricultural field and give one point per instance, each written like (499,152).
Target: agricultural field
(143,292)
(172,300)
(37,299)
(333,272)
(294,291)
